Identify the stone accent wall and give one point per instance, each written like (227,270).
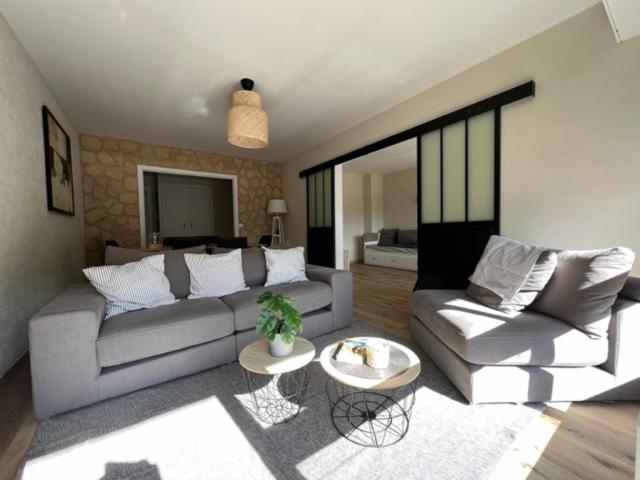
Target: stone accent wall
(110,185)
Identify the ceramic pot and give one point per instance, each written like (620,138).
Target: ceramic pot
(279,348)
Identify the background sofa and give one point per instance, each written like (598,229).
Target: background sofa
(493,357)
(77,358)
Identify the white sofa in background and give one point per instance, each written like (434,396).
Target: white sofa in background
(404,258)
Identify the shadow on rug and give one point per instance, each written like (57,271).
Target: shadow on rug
(202,427)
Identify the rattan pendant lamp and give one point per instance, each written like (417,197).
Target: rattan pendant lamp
(248,124)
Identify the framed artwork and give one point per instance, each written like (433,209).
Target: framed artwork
(57,156)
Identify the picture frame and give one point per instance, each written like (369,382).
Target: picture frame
(58,165)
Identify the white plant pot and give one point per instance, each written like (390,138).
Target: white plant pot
(279,348)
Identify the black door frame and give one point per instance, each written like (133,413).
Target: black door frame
(494,102)
(321,244)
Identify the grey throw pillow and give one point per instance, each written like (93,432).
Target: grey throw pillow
(388,237)
(533,285)
(174,266)
(584,286)
(408,238)
(631,289)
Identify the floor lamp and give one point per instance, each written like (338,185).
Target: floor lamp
(277,207)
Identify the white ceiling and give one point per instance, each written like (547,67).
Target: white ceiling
(163,70)
(398,157)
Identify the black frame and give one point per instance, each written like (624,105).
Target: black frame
(477,232)
(509,96)
(46,113)
(321,240)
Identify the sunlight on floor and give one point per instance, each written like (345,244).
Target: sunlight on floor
(527,449)
(199,438)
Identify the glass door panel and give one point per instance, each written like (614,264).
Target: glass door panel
(453,173)
(430,177)
(481,165)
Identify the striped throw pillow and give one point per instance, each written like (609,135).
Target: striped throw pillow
(285,266)
(215,275)
(132,286)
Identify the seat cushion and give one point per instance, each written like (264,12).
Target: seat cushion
(309,296)
(484,336)
(145,333)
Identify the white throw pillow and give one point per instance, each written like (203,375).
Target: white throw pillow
(215,275)
(132,286)
(285,266)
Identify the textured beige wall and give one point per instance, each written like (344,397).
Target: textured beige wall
(41,252)
(353,214)
(110,187)
(400,201)
(570,156)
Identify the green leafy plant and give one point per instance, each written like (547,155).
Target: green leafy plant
(278,315)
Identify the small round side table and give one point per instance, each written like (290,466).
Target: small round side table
(372,407)
(277,384)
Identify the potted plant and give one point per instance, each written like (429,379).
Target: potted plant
(279,322)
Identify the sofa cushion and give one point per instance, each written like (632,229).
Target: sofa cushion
(408,238)
(533,285)
(145,333)
(631,289)
(584,286)
(484,336)
(309,296)
(388,237)
(254,266)
(174,266)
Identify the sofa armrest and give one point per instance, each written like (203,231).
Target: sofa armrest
(62,344)
(624,337)
(341,283)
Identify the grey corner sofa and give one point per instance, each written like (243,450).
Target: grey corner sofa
(492,357)
(78,358)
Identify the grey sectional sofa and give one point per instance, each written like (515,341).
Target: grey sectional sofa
(77,358)
(493,357)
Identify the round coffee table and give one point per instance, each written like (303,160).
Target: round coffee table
(277,384)
(372,407)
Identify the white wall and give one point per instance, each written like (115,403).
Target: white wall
(570,156)
(373,208)
(353,214)
(400,201)
(41,252)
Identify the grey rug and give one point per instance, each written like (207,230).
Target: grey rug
(201,427)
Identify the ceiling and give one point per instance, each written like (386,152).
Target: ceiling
(163,71)
(398,157)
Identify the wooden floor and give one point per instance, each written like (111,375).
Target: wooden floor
(586,441)
(580,441)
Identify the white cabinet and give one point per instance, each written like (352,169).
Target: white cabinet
(185,210)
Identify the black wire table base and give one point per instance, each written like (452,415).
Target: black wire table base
(277,398)
(371,418)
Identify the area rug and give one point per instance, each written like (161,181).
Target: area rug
(202,427)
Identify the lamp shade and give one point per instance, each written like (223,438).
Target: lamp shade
(247,122)
(277,206)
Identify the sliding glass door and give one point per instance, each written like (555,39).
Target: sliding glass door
(459,177)
(320,218)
